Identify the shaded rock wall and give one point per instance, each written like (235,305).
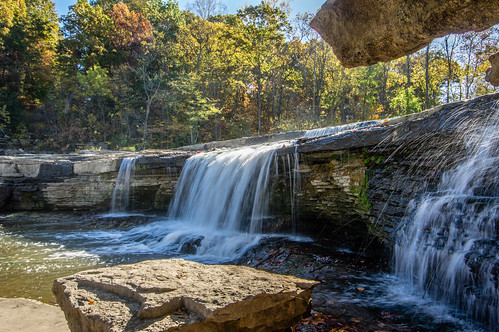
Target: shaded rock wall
(356,187)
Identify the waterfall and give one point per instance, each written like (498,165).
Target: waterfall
(448,242)
(225,189)
(121,194)
(221,199)
(291,163)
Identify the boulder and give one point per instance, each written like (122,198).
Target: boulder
(174,295)
(364,32)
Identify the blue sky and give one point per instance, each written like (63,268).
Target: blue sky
(300,6)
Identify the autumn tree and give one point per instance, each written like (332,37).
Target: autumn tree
(28,40)
(207,8)
(132,32)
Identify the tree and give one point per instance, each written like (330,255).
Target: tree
(87,31)
(405,102)
(95,85)
(207,8)
(132,32)
(28,40)
(264,26)
(450,45)
(474,50)
(150,72)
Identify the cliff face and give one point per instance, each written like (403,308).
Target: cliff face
(348,188)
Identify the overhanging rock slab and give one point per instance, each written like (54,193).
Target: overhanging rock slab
(364,32)
(174,295)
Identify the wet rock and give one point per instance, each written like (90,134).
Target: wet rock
(5,192)
(175,294)
(364,32)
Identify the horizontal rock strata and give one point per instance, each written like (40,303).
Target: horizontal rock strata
(174,295)
(85,181)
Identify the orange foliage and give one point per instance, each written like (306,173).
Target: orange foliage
(132,29)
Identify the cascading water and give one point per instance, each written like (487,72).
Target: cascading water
(339,129)
(121,194)
(224,195)
(448,243)
(292,161)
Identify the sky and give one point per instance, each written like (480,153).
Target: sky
(298,6)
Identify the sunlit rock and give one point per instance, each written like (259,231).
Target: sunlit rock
(28,315)
(364,32)
(174,294)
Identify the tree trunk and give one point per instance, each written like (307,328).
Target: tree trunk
(408,70)
(259,100)
(144,134)
(427,77)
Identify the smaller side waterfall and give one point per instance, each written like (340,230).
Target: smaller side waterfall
(291,163)
(448,244)
(121,193)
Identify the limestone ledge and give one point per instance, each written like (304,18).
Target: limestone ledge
(179,295)
(84,180)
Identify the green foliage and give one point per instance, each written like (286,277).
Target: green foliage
(139,74)
(28,40)
(95,82)
(4,120)
(405,102)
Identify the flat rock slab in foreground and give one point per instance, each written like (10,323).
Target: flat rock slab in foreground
(174,294)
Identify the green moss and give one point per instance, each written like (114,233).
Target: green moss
(361,194)
(373,160)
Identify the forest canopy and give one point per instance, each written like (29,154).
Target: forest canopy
(140,74)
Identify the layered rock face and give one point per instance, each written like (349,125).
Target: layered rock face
(364,32)
(178,295)
(84,181)
(360,183)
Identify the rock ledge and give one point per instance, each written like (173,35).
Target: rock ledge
(174,295)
